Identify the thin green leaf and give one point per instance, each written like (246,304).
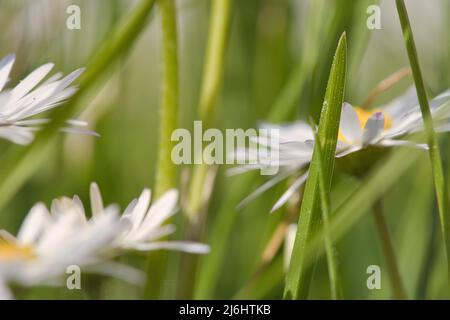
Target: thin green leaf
(434,152)
(333,274)
(298,277)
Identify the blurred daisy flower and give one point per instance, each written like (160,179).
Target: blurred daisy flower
(359,129)
(32,96)
(48,242)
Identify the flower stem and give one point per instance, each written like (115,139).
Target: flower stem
(434,153)
(166,169)
(387,247)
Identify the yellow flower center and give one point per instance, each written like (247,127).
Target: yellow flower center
(363,116)
(10,251)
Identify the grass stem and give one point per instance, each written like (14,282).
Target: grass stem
(398,289)
(440,185)
(165,169)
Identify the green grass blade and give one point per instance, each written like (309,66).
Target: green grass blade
(434,152)
(166,170)
(19,164)
(297,282)
(215,57)
(333,274)
(211,85)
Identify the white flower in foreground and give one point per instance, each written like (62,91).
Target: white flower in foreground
(50,241)
(383,127)
(32,96)
(146,223)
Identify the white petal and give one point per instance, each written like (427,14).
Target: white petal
(349,125)
(373,128)
(394,143)
(120,271)
(5,292)
(160,211)
(185,246)
(96,199)
(5,68)
(139,211)
(34,224)
(30,81)
(348,151)
(289,192)
(18,135)
(261,189)
(403,104)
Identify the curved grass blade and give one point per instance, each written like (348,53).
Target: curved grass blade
(440,185)
(298,277)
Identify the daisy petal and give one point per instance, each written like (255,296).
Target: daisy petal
(162,209)
(5,68)
(185,246)
(289,192)
(31,81)
(261,189)
(96,200)
(373,128)
(349,125)
(395,143)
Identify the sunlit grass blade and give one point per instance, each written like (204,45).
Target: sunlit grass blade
(440,185)
(298,277)
(19,164)
(165,169)
(333,273)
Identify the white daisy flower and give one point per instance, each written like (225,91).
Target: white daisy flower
(386,125)
(32,96)
(359,128)
(47,243)
(146,223)
(50,241)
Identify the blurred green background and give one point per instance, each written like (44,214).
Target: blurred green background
(277,58)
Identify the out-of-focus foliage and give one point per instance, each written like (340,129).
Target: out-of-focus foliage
(268,44)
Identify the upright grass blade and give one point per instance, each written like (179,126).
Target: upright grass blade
(435,157)
(387,246)
(19,164)
(298,277)
(212,79)
(333,274)
(282,110)
(215,57)
(166,169)
(219,26)
(290,94)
